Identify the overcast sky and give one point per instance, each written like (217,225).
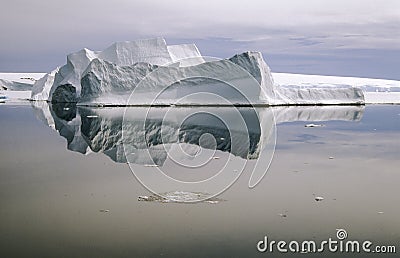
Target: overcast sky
(341,37)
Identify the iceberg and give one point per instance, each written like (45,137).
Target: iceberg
(12,90)
(14,86)
(149,72)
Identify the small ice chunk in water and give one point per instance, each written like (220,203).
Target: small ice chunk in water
(313,125)
(147,198)
(319,198)
(151,165)
(180,196)
(104,210)
(92,116)
(212,202)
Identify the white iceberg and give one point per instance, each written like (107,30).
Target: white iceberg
(17,86)
(14,86)
(166,75)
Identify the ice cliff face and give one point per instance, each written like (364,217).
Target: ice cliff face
(152,51)
(237,80)
(164,75)
(186,54)
(254,63)
(103,78)
(41,88)
(327,96)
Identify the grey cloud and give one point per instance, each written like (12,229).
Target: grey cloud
(38,34)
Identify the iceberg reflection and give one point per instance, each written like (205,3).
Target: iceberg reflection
(161,131)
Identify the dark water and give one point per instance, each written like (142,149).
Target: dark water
(69,192)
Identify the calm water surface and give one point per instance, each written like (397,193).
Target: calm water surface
(66,189)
